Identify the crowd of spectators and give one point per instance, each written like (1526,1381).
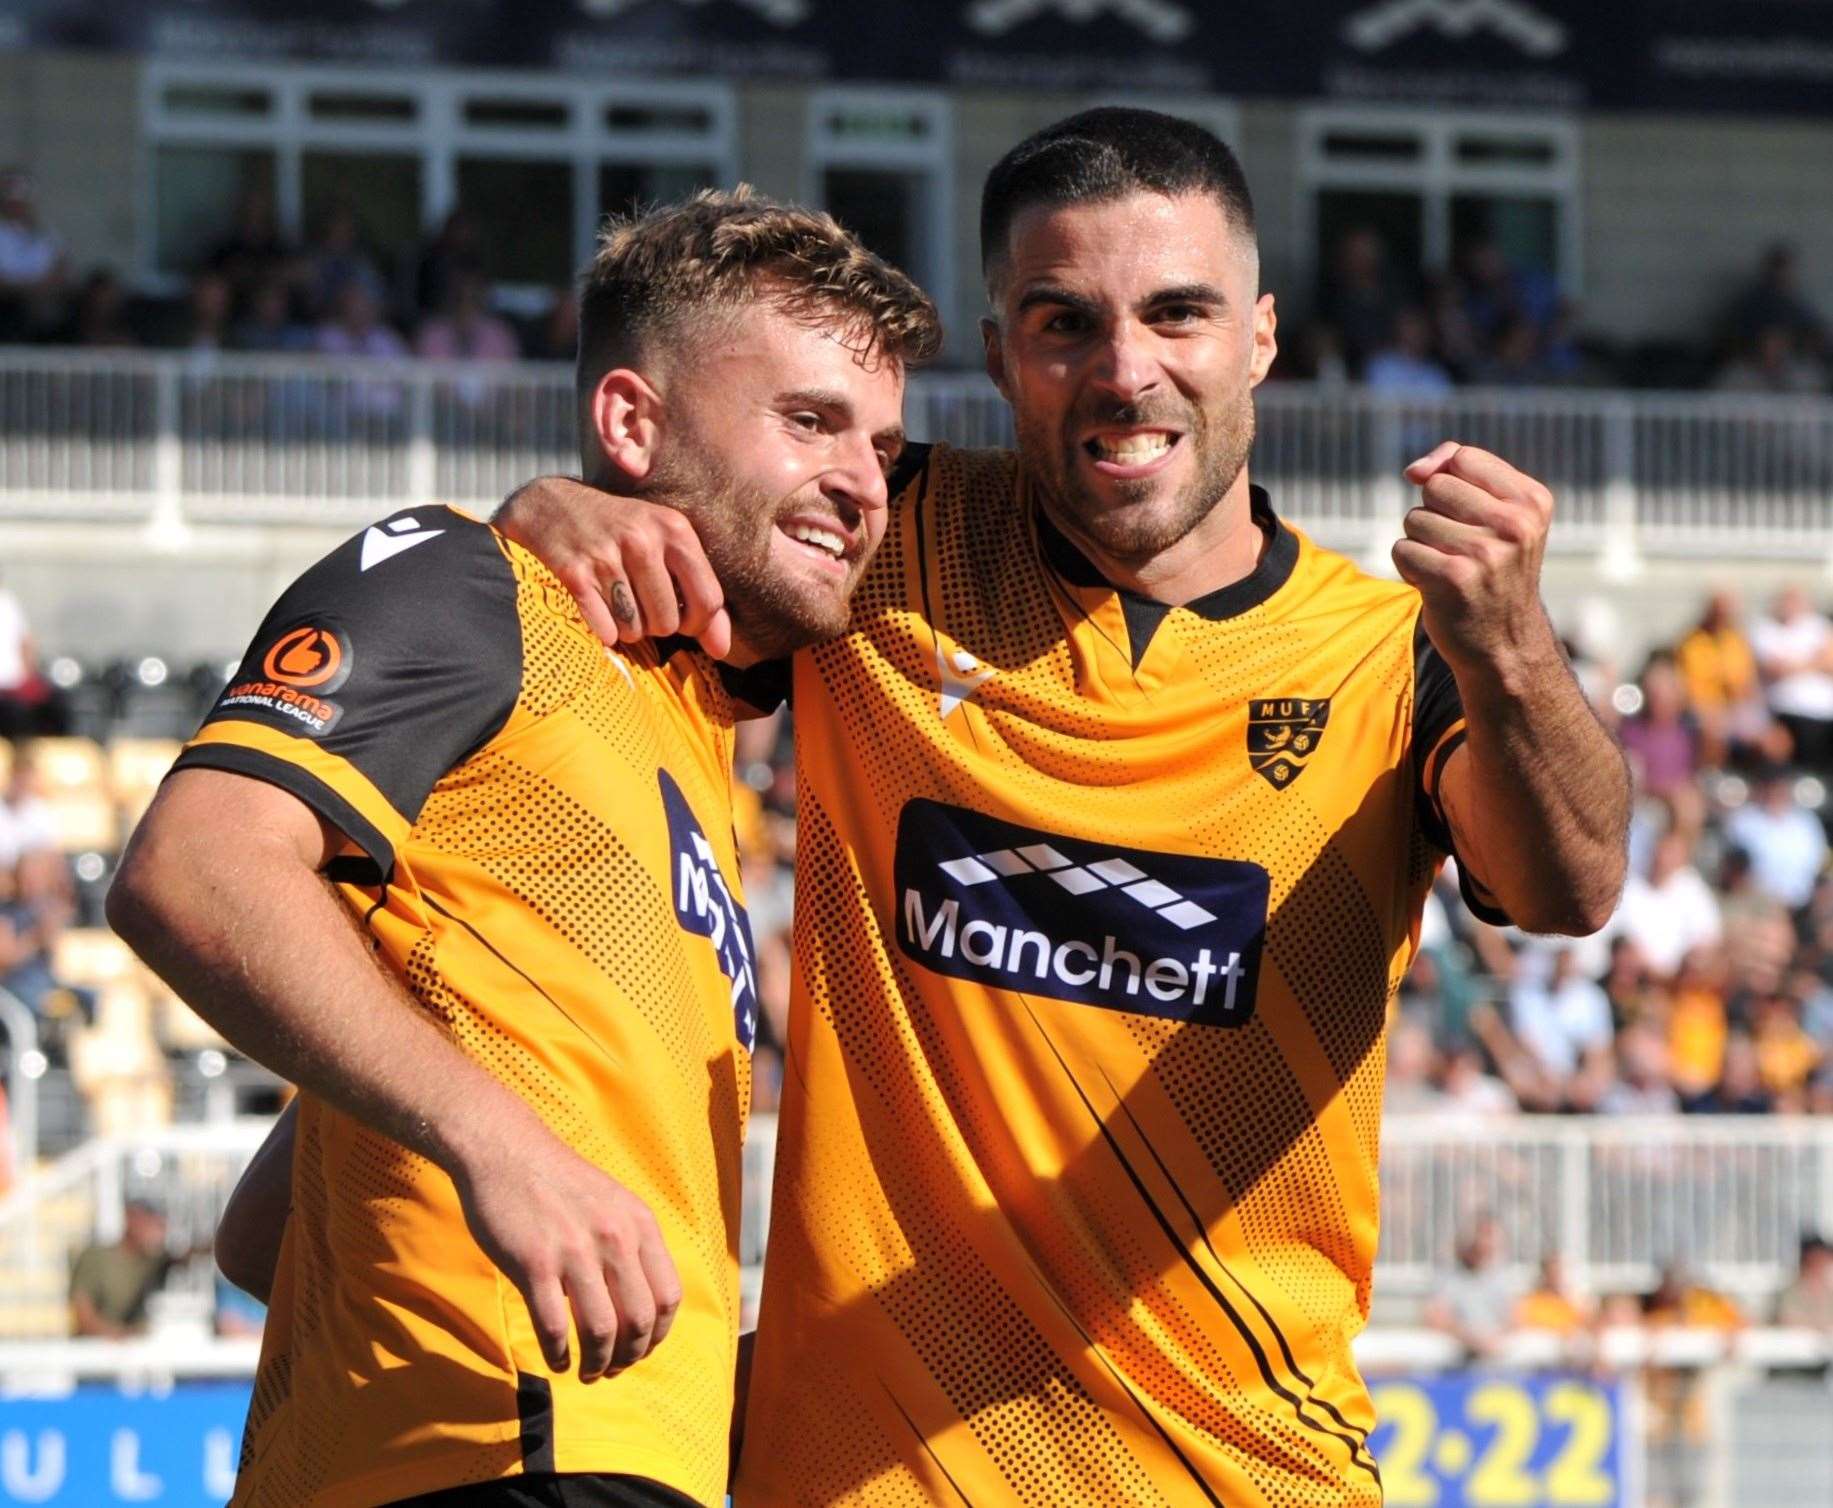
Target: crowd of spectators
(254,290)
(1711,988)
(1484,321)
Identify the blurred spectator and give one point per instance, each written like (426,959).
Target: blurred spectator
(1405,366)
(1772,362)
(1410,1061)
(1678,1424)
(1680,1300)
(1774,302)
(338,261)
(268,325)
(1786,843)
(208,305)
(36,908)
(1786,1055)
(27,825)
(1739,1090)
(1642,1085)
(1551,1304)
(110,1285)
(1794,650)
(1513,359)
(33,264)
(99,318)
(1671,912)
(1661,740)
(467,330)
(557,338)
(254,252)
(1697,1025)
(1807,1302)
(1470,1091)
(1561,1020)
(1360,301)
(1718,672)
(30,704)
(1477,1300)
(357,328)
(453,256)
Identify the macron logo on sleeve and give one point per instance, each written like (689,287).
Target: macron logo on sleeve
(385,541)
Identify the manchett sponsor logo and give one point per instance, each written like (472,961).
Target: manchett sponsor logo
(1126,929)
(705,906)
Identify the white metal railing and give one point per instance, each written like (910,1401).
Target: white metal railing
(181,438)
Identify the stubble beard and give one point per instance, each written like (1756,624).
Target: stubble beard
(771,618)
(1135,531)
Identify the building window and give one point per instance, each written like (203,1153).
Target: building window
(880,161)
(1436,188)
(539,163)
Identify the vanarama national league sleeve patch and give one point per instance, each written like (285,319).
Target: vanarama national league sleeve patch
(380,669)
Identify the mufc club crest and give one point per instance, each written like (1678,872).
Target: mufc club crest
(1282,735)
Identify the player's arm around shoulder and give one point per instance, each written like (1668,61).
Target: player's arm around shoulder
(1537,796)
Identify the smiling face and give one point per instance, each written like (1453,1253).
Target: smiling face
(775,441)
(1129,340)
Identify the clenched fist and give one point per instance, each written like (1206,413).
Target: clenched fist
(1473,550)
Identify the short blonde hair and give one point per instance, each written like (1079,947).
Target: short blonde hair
(662,273)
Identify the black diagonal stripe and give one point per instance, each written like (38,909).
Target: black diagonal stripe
(1139,1403)
(1285,1349)
(515,968)
(923,1440)
(1261,1361)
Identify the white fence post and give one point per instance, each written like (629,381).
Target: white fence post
(166,524)
(1621,559)
(422,457)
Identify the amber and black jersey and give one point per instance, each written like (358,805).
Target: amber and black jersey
(1100,909)
(540,845)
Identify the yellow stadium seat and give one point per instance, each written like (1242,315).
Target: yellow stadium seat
(69,766)
(86,822)
(6,762)
(94,958)
(135,768)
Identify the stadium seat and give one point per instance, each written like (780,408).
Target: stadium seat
(93,958)
(135,767)
(70,766)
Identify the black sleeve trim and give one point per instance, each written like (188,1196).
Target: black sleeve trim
(1481,904)
(762,687)
(1436,702)
(301,783)
(417,635)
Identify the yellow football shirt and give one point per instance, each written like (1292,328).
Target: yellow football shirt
(541,849)
(1100,909)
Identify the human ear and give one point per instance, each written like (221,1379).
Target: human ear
(627,420)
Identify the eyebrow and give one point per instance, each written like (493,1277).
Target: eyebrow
(841,407)
(1188,293)
(1056,295)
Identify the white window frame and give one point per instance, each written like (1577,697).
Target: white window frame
(438,136)
(933,156)
(1436,174)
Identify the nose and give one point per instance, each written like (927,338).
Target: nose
(1125,366)
(857,481)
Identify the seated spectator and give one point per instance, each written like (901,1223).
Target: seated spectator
(1405,365)
(98,320)
(1642,1085)
(1794,650)
(1359,299)
(34,268)
(467,330)
(1551,1304)
(1682,1301)
(1774,301)
(1514,360)
(1410,1062)
(1772,362)
(558,335)
(1786,1055)
(1671,912)
(110,1285)
(205,324)
(27,826)
(338,261)
(1786,843)
(29,704)
(1477,1300)
(453,256)
(36,908)
(1807,1302)
(357,327)
(268,325)
(1661,740)
(254,252)
(1697,1025)
(1718,672)
(1561,1020)
(1739,1090)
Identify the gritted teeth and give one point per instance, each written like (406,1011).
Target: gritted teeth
(1134,449)
(821,539)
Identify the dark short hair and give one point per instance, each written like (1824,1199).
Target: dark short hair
(1106,154)
(660,274)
